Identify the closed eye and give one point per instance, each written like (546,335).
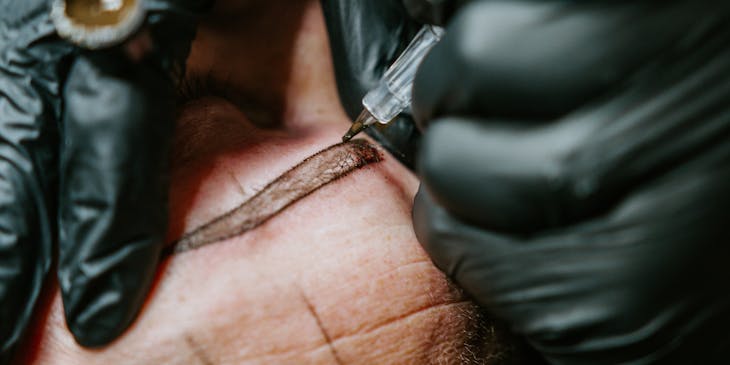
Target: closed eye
(198,86)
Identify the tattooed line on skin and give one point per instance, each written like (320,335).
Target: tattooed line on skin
(301,180)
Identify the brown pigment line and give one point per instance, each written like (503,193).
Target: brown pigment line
(301,180)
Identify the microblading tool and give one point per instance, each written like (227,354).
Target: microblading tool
(393,93)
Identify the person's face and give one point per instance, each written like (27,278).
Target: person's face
(337,277)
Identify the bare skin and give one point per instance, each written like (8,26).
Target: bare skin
(336,278)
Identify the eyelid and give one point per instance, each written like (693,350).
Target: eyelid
(195,87)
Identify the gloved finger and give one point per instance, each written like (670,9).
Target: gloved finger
(539,60)
(531,176)
(118,123)
(26,233)
(28,163)
(495,176)
(533,282)
(435,231)
(653,259)
(365,38)
(432,11)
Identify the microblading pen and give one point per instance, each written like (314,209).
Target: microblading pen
(393,93)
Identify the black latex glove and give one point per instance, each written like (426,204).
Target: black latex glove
(103,201)
(365,38)
(575,168)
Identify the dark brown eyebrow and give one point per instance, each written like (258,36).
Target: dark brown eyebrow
(301,180)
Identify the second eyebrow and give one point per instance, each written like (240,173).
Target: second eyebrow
(316,171)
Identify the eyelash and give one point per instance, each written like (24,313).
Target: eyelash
(196,87)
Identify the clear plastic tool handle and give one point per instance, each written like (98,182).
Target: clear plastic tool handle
(394,91)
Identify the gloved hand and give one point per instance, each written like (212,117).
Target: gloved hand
(365,38)
(103,201)
(573,167)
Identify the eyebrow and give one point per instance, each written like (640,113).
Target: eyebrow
(301,180)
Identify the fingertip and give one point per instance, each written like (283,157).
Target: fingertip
(492,175)
(449,164)
(99,324)
(102,300)
(113,206)
(93,332)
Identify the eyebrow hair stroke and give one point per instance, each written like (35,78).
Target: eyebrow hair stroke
(301,180)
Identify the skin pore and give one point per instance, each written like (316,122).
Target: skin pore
(337,278)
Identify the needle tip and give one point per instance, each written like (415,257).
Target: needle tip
(355,128)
